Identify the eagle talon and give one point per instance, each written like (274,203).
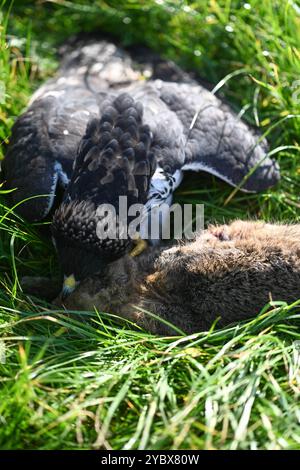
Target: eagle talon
(140,246)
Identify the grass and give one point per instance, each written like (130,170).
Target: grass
(74,384)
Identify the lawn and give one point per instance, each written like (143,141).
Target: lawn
(66,383)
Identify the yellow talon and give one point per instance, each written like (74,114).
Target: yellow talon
(140,246)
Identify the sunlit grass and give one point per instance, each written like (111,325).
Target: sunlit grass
(80,380)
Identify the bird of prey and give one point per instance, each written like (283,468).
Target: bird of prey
(190,129)
(113,160)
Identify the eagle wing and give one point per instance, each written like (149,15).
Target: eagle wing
(114,159)
(45,138)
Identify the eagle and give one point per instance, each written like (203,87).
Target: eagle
(114,123)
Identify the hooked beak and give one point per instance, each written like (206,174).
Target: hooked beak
(69,286)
